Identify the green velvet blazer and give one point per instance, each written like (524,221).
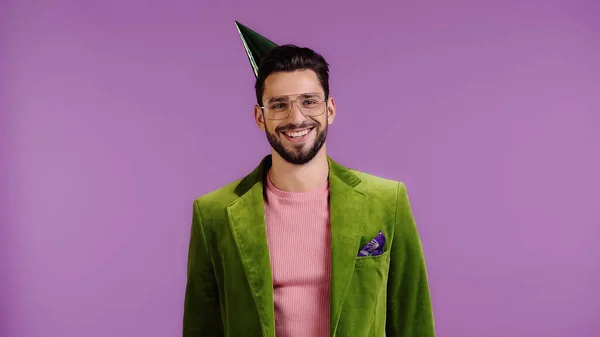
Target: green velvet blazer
(229,289)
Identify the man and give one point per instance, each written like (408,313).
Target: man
(304,246)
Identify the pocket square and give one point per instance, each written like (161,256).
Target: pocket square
(374,247)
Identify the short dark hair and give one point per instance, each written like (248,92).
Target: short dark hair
(288,58)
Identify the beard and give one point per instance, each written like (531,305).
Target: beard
(300,154)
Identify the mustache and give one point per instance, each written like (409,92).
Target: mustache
(289,127)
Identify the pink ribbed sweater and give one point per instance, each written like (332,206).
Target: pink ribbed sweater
(299,245)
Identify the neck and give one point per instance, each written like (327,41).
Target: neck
(299,178)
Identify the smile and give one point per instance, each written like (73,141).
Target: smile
(297,135)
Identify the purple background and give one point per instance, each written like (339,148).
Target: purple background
(116,114)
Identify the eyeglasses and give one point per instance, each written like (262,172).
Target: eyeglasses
(279,107)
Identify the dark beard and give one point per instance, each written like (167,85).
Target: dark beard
(300,155)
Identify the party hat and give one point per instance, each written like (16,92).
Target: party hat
(255,44)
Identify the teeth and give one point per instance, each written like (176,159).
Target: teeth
(297,134)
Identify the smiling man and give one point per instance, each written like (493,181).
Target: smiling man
(303,246)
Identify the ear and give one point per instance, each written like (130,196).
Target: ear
(330,110)
(259,117)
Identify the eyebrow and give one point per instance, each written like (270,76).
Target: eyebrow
(285,97)
(277,99)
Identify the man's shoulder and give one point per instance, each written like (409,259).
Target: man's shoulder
(378,187)
(219,197)
(375,183)
(384,193)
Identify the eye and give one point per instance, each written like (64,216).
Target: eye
(278,106)
(310,101)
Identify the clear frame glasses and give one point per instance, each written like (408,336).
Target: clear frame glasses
(279,107)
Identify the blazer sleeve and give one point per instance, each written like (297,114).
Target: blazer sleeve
(202,313)
(409,309)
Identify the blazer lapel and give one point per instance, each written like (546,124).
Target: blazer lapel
(247,223)
(347,215)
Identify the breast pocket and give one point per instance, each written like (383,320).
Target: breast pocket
(366,297)
(370,277)
(377,261)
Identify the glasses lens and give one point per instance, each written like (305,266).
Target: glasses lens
(310,104)
(277,107)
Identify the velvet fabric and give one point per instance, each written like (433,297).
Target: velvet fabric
(229,289)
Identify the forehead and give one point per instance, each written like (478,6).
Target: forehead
(292,83)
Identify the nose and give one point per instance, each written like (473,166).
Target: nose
(296,115)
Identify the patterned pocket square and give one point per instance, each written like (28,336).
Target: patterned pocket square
(374,247)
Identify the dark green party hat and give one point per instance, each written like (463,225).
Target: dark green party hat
(255,44)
